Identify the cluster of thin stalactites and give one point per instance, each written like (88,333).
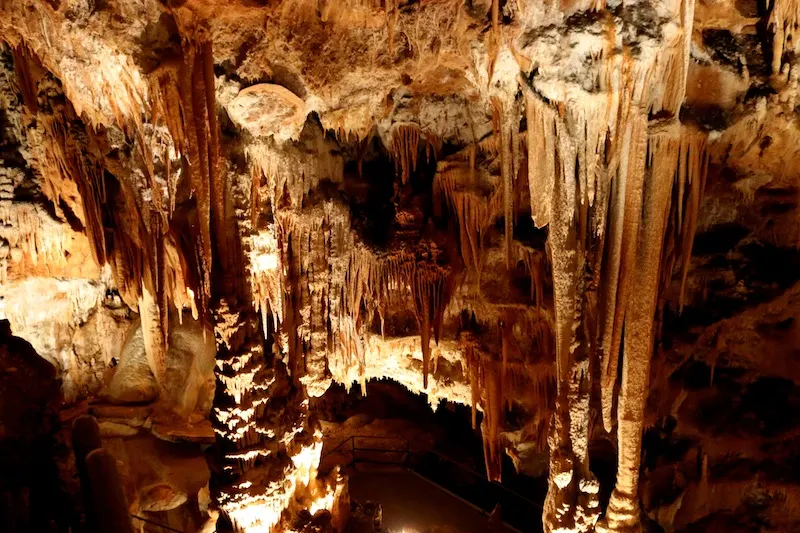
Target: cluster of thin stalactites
(631,176)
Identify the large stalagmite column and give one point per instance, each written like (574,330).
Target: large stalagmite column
(673,156)
(623,510)
(602,181)
(559,163)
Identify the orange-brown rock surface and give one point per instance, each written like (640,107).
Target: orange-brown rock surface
(582,211)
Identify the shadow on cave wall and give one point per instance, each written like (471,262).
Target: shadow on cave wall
(31,496)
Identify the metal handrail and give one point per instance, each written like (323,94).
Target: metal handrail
(467,468)
(408,450)
(153,523)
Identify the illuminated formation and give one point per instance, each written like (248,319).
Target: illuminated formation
(494,204)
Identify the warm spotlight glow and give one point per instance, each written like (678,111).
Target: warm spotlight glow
(265,275)
(258,508)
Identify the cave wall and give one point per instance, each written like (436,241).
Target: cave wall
(582,211)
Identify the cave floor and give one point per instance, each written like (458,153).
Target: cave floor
(412,504)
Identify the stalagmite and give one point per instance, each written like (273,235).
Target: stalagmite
(85,439)
(108,494)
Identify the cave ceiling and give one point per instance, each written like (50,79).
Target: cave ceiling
(581,212)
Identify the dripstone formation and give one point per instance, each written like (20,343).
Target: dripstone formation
(580,218)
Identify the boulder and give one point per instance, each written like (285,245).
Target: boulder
(161,497)
(111,430)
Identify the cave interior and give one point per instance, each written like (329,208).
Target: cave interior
(399,266)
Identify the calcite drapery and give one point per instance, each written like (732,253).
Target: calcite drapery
(595,177)
(122,143)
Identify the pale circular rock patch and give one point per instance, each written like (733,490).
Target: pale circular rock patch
(268,110)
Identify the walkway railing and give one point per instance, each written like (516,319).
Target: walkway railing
(458,479)
(454,477)
(398,455)
(154,523)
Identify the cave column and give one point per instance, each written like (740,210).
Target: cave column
(571,503)
(623,514)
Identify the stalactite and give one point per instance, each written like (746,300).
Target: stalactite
(495,382)
(505,131)
(496,19)
(196,130)
(358,276)
(672,66)
(65,173)
(265,276)
(486,387)
(506,338)
(469,367)
(430,296)
(310,253)
(392,14)
(784,21)
(149,274)
(692,167)
(27,69)
(571,146)
(182,95)
(373,282)
(492,388)
(541,157)
(291,173)
(153,333)
(456,186)
(28,228)
(535,262)
(405,149)
(333,286)
(625,220)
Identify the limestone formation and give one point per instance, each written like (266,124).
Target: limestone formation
(558,213)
